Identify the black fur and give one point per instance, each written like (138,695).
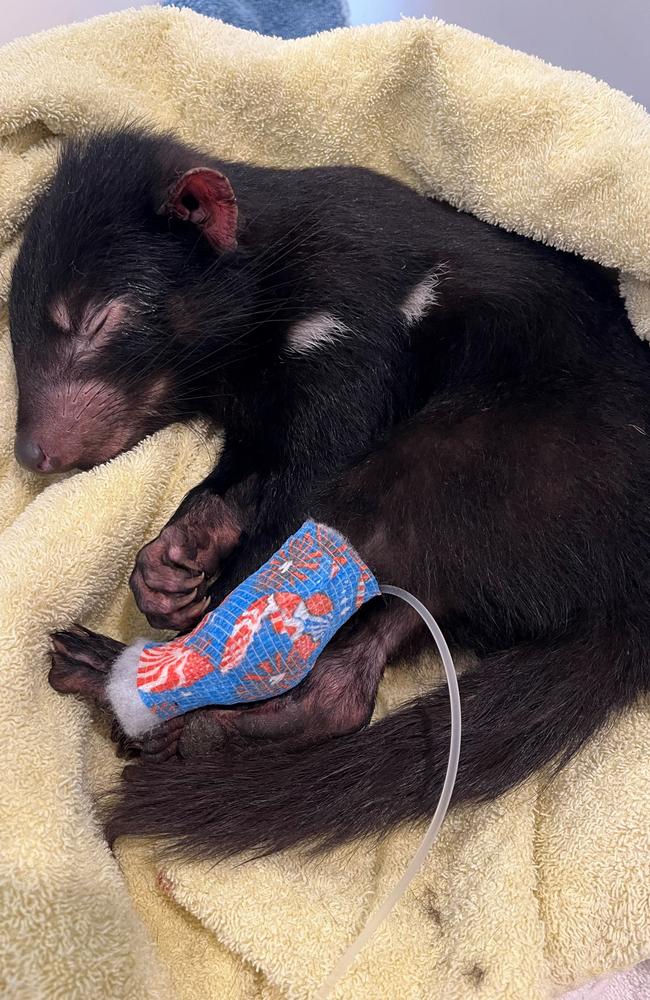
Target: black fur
(492,458)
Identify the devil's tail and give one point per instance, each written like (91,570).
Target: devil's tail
(531,706)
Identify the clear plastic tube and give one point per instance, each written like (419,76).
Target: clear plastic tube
(380,914)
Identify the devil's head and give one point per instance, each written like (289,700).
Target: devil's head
(112,330)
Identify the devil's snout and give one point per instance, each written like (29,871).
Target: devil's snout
(31,455)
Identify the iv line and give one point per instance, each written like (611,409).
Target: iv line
(380,914)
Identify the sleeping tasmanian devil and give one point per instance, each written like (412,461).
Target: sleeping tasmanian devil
(468,407)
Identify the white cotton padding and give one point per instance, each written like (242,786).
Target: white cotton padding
(130,710)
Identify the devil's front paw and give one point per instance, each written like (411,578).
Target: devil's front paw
(172,573)
(158,745)
(168,586)
(81,662)
(195,734)
(126,747)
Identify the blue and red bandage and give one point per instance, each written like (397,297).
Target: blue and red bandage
(261,641)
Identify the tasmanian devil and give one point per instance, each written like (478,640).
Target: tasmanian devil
(470,408)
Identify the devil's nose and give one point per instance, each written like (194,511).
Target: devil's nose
(30,454)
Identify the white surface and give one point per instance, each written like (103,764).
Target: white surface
(631,985)
(608,40)
(24,17)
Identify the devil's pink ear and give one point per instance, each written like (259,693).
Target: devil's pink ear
(205,197)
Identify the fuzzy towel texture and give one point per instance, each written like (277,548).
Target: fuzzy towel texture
(521,898)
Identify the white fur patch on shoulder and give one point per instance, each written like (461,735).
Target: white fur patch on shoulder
(130,710)
(420,299)
(60,314)
(310,333)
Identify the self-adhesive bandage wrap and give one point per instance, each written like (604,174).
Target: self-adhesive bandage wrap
(261,641)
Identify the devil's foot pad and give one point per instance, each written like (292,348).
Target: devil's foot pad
(81,662)
(259,643)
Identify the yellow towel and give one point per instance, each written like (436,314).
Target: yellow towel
(521,898)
